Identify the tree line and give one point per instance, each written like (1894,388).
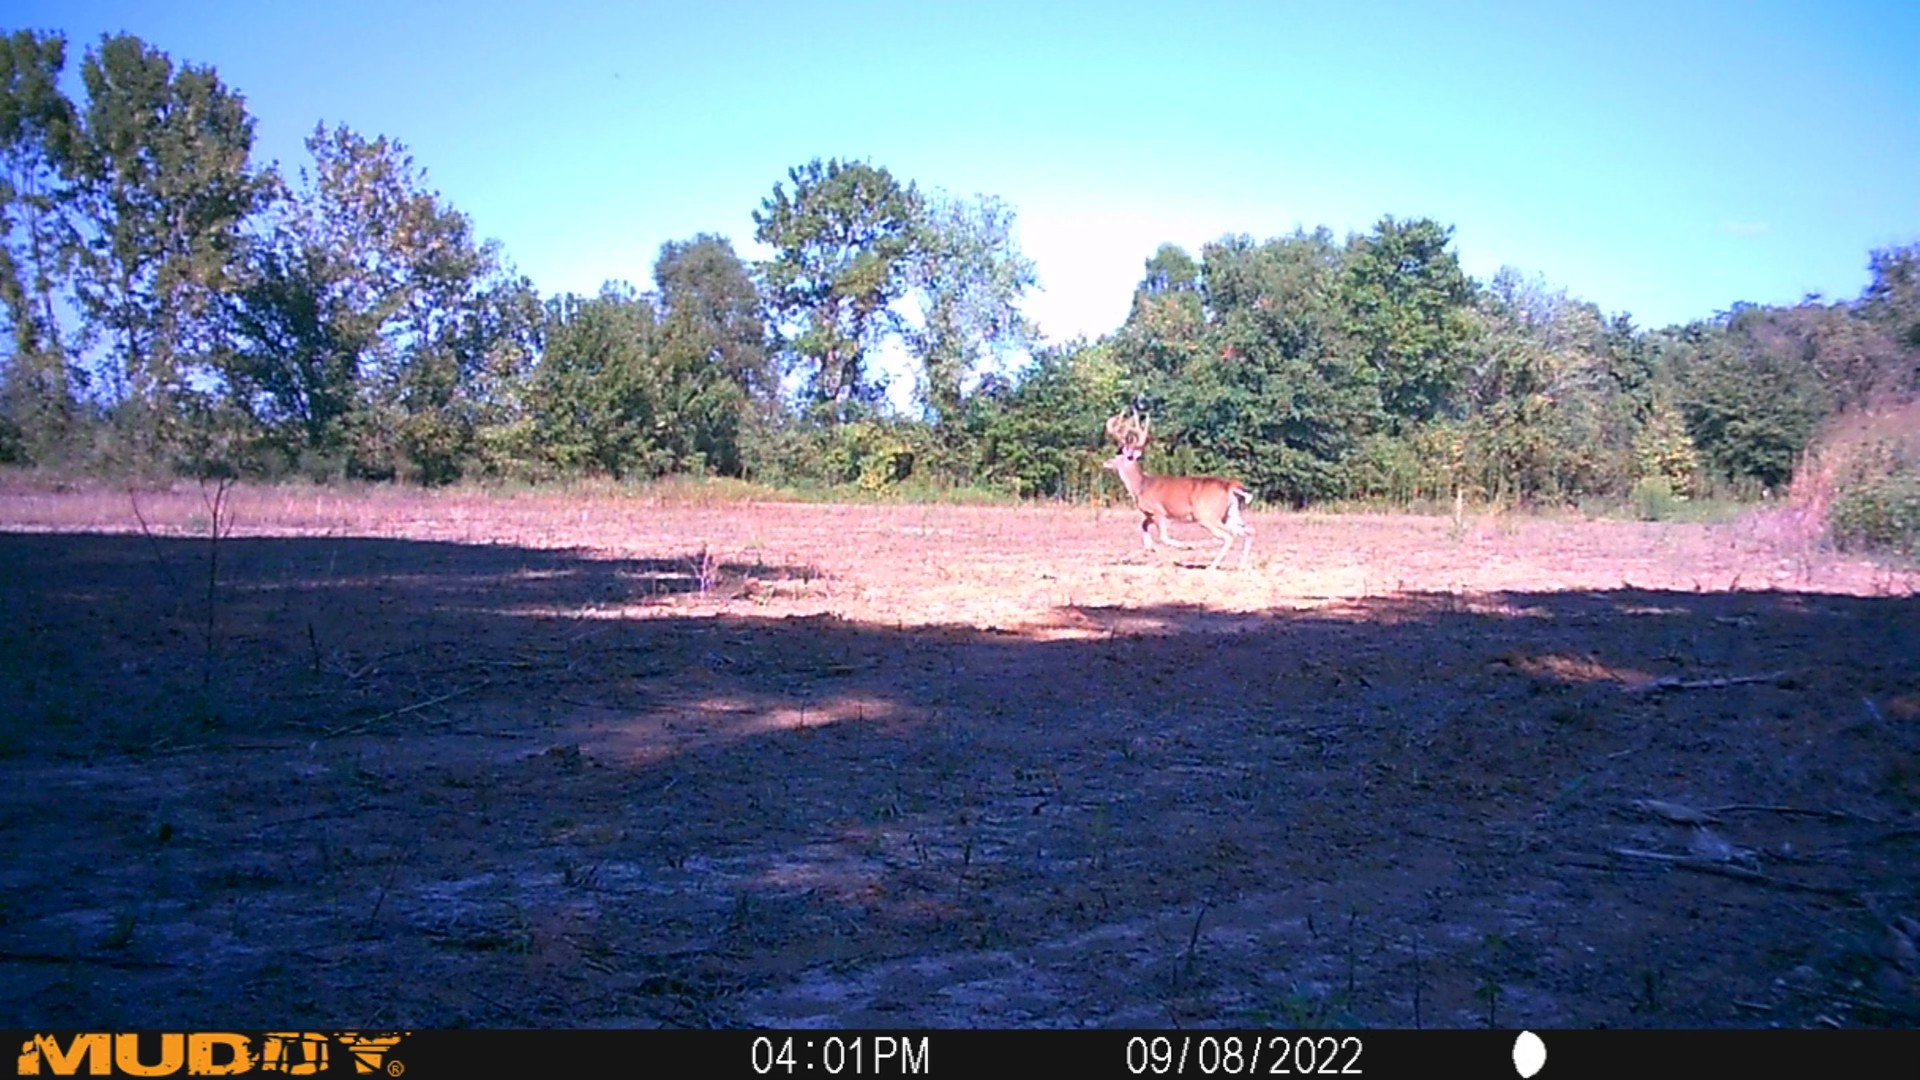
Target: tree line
(172,305)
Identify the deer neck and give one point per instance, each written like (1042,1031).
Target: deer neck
(1132,475)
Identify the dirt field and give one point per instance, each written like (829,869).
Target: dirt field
(449,760)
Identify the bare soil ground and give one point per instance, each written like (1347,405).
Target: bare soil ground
(437,760)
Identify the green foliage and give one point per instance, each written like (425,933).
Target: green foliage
(968,276)
(163,187)
(1892,299)
(1550,415)
(1880,513)
(1250,366)
(1407,305)
(841,242)
(596,399)
(1751,399)
(716,369)
(711,307)
(1872,462)
(1424,464)
(869,453)
(1662,449)
(1653,498)
(355,336)
(625,390)
(1041,436)
(37,127)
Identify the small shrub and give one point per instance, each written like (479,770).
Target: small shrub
(1654,498)
(1662,448)
(1862,481)
(1878,513)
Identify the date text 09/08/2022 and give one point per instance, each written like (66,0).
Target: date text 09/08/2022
(1156,1055)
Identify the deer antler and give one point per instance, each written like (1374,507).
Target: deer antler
(1128,429)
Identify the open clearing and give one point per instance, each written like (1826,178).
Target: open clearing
(445,760)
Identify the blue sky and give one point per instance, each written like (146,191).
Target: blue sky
(1663,159)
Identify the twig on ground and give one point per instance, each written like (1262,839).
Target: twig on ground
(1793,811)
(373,662)
(1738,873)
(1193,943)
(1674,812)
(1672,682)
(356,728)
(12,957)
(393,872)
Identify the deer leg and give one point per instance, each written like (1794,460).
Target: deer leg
(1225,543)
(1234,529)
(1168,540)
(1239,525)
(1146,531)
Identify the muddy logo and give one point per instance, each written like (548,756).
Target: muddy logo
(210,1053)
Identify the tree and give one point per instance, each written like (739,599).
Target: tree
(1279,394)
(1893,296)
(707,296)
(968,276)
(355,331)
(841,242)
(503,336)
(164,185)
(1038,437)
(713,338)
(1545,390)
(1166,321)
(1170,272)
(1751,400)
(38,404)
(595,404)
(1408,306)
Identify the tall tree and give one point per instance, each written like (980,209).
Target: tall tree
(968,277)
(355,331)
(1280,393)
(594,397)
(708,298)
(1751,398)
(841,242)
(713,340)
(37,399)
(36,130)
(1893,296)
(164,184)
(1409,307)
(1163,329)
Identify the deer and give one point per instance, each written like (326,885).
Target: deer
(1208,501)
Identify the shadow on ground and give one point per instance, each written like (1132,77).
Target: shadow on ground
(393,783)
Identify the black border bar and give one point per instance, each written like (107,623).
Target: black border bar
(1389,1055)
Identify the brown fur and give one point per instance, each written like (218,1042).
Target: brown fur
(1208,501)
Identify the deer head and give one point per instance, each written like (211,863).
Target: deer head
(1129,430)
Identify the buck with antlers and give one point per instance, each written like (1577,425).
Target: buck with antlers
(1207,501)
